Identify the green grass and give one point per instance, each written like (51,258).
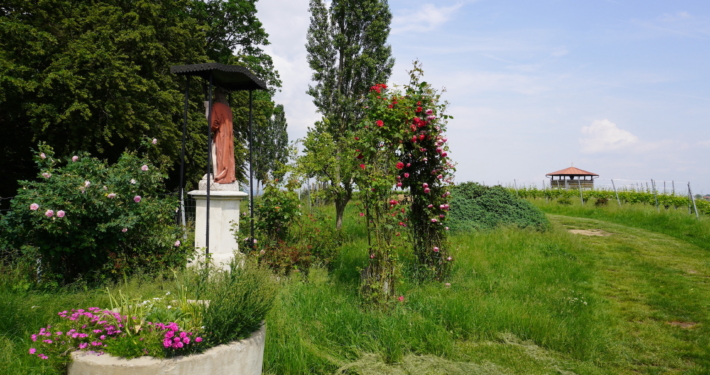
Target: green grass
(520,302)
(675,223)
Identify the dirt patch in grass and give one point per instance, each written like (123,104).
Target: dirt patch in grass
(590,232)
(686,325)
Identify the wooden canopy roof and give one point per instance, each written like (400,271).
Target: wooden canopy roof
(572,171)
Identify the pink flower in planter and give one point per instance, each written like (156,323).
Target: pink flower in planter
(49,213)
(137,198)
(46,175)
(399,184)
(61,213)
(34,207)
(177,243)
(75,158)
(144,168)
(111,195)
(83,345)
(198,339)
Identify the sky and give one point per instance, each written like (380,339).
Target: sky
(619,88)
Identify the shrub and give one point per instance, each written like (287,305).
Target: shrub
(239,301)
(474,206)
(93,220)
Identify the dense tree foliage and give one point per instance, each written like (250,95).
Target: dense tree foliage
(347,52)
(271,146)
(94,76)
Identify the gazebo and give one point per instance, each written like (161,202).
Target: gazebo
(572,178)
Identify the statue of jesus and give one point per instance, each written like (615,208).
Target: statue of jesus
(222,139)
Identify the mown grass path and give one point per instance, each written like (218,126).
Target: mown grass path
(657,289)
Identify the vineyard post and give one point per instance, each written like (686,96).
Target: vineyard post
(664,187)
(692,198)
(544,188)
(579,183)
(653,183)
(616,192)
(515,186)
(673,183)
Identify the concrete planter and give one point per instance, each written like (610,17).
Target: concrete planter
(244,357)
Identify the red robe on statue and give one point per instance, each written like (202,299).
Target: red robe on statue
(223,138)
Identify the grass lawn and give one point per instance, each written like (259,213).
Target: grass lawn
(520,302)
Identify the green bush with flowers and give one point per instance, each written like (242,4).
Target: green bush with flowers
(402,150)
(87,219)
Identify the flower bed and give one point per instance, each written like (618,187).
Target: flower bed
(238,358)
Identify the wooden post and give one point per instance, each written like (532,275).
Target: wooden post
(515,186)
(673,182)
(616,192)
(581,198)
(653,183)
(692,198)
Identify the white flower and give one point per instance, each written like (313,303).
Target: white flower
(87,183)
(133,181)
(155,141)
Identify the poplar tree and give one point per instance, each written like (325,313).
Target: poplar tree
(348,53)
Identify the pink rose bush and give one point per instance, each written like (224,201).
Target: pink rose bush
(86,198)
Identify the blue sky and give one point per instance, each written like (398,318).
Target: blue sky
(621,89)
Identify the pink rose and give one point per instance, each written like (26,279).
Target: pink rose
(177,243)
(49,213)
(436,249)
(34,206)
(137,198)
(43,156)
(406,175)
(444,154)
(362,214)
(144,168)
(74,158)
(425,185)
(427,190)
(399,184)
(46,175)
(60,213)
(428,111)
(155,141)
(434,220)
(124,230)
(111,195)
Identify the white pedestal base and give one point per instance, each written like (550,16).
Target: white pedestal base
(224,214)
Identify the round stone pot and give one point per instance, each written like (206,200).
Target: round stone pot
(244,357)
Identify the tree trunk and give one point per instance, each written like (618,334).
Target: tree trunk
(341,200)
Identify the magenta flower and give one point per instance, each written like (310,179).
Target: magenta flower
(428,111)
(144,168)
(49,213)
(427,190)
(137,198)
(425,185)
(33,350)
(177,243)
(406,175)
(399,184)
(436,249)
(444,154)
(75,158)
(46,175)
(83,345)
(42,356)
(61,213)
(362,214)
(401,298)
(34,207)
(198,339)
(111,195)
(430,206)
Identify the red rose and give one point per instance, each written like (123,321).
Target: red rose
(419,109)
(380,123)
(390,106)
(400,165)
(357,138)
(422,137)
(360,156)
(414,139)
(362,166)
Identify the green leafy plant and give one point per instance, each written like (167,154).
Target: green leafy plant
(92,220)
(475,206)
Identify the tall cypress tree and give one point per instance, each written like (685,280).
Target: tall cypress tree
(347,52)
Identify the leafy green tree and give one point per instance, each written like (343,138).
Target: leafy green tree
(271,146)
(347,52)
(94,76)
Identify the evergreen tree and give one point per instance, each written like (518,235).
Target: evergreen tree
(94,76)
(347,52)
(271,146)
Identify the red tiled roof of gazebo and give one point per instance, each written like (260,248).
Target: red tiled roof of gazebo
(572,171)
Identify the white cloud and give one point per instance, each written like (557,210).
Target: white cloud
(427,18)
(604,136)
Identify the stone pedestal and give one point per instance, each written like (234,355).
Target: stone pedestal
(224,213)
